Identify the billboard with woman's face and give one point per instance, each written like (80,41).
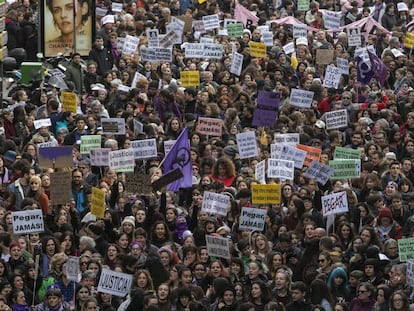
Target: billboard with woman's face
(67,26)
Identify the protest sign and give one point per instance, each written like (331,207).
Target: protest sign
(55,157)
(260,172)
(332,77)
(206,40)
(319,171)
(236,63)
(290,153)
(156,54)
(332,20)
(410,272)
(291,139)
(152,37)
(267,38)
(257,49)
(167,179)
(170,38)
(252,219)
(354,36)
(209,126)
(116,7)
(98,202)
(213,51)
(138,183)
(280,169)
(211,22)
(336,119)
(99,156)
(343,65)
(194,50)
(289,48)
(312,154)
(88,142)
(301,98)
(346,153)
(303,5)
(69,101)
(406,249)
(235,30)
(53,143)
(266,109)
(266,194)
(42,123)
(72,268)
(324,57)
(121,159)
(215,203)
(25,222)
(190,78)
(344,169)
(60,188)
(113,126)
(300,30)
(114,283)
(138,127)
(130,45)
(409,40)
(334,203)
(246,142)
(218,247)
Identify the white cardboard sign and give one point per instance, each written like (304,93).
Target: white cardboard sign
(301,98)
(114,283)
(215,203)
(25,222)
(252,219)
(334,203)
(336,119)
(144,149)
(121,159)
(280,169)
(218,246)
(246,142)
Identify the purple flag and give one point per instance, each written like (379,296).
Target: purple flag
(179,157)
(364,71)
(379,68)
(266,109)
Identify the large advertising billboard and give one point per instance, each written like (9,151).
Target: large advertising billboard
(67,26)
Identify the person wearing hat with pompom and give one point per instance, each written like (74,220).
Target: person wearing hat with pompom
(386,227)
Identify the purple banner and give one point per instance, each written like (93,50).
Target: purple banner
(364,71)
(379,68)
(267,109)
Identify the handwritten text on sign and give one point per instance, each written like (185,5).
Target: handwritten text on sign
(406,249)
(215,203)
(114,283)
(252,219)
(218,246)
(334,203)
(25,222)
(209,126)
(247,145)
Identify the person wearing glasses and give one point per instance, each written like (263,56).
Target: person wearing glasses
(364,299)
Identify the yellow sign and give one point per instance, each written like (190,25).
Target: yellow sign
(69,101)
(257,49)
(409,40)
(266,194)
(98,202)
(190,78)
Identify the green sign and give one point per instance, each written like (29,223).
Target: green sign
(235,30)
(346,153)
(88,142)
(344,169)
(303,5)
(406,249)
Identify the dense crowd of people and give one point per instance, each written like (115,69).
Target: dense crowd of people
(299,261)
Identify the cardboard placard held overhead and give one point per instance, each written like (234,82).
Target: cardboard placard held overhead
(56,157)
(139,184)
(60,188)
(324,56)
